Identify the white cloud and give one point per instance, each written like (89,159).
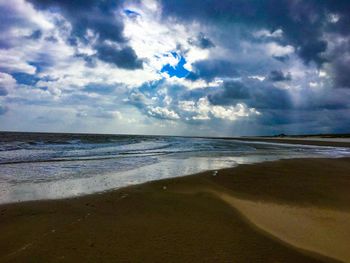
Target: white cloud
(203,110)
(313,84)
(12,61)
(258,77)
(187,105)
(267,33)
(154,39)
(7,81)
(197,84)
(160,112)
(275,49)
(322,74)
(333,18)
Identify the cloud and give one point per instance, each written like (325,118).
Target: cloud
(301,23)
(281,58)
(3,109)
(212,68)
(13,62)
(342,72)
(7,82)
(162,113)
(99,20)
(3,91)
(257,94)
(201,41)
(272,65)
(138,99)
(99,16)
(264,33)
(313,51)
(204,110)
(124,58)
(230,90)
(278,75)
(100,88)
(339,68)
(276,50)
(100,113)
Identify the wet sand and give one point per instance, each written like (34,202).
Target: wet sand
(284,211)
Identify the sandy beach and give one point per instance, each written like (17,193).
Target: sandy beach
(284,211)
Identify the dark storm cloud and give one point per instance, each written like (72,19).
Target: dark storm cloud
(342,72)
(256,94)
(212,68)
(312,51)
(267,98)
(282,117)
(230,91)
(303,22)
(125,57)
(305,122)
(103,19)
(278,75)
(340,64)
(88,14)
(202,41)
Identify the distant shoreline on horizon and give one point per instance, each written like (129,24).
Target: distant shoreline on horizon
(282,135)
(336,140)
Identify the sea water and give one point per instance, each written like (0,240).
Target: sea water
(37,166)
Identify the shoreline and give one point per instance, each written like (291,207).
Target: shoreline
(168,213)
(109,182)
(315,141)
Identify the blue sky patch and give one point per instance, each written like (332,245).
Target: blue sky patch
(178,70)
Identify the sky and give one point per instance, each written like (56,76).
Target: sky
(178,67)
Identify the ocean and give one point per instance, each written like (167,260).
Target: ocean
(36,166)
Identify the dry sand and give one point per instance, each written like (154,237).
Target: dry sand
(284,211)
(323,231)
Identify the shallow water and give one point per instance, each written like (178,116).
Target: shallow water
(51,166)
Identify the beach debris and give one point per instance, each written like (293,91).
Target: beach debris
(164,187)
(215,173)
